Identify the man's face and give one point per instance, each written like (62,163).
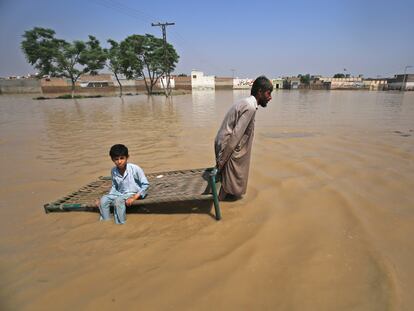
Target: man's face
(120,162)
(264,97)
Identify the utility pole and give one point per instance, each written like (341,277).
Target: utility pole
(166,71)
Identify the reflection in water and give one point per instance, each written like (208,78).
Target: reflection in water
(203,106)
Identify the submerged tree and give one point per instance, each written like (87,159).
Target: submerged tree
(115,61)
(145,57)
(59,58)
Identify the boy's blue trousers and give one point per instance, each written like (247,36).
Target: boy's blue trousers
(119,207)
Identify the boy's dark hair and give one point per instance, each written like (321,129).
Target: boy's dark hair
(118,150)
(261,83)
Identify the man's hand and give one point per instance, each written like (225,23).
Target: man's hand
(129,201)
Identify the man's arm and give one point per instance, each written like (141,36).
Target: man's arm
(236,136)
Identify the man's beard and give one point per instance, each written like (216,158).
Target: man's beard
(263,104)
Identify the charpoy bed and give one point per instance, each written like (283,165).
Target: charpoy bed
(165,187)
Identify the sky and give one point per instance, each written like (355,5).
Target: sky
(227,37)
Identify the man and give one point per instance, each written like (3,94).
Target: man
(234,140)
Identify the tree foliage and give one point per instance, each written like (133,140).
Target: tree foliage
(138,56)
(145,57)
(56,57)
(339,75)
(305,79)
(114,63)
(40,47)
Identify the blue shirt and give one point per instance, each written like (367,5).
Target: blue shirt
(133,181)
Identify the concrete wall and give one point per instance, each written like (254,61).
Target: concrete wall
(223,83)
(20,86)
(200,81)
(182,83)
(409,86)
(242,83)
(376,85)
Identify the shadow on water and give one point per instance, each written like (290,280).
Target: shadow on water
(167,208)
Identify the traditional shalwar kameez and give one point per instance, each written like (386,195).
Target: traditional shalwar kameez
(124,186)
(233,145)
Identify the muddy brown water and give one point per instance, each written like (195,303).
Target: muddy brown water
(327,222)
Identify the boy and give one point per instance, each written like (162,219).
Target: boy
(128,184)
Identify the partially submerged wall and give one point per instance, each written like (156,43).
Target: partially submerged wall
(20,86)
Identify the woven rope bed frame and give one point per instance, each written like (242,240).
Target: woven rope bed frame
(165,187)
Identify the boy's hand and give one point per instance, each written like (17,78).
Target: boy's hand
(129,201)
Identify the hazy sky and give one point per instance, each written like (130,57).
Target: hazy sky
(276,38)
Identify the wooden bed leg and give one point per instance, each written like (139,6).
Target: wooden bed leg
(214,191)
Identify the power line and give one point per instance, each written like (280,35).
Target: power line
(146,19)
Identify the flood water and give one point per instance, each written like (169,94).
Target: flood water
(326,224)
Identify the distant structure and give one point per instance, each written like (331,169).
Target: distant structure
(291,83)
(376,84)
(199,81)
(344,83)
(397,83)
(242,83)
(277,83)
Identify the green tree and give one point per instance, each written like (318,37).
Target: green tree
(115,61)
(305,79)
(57,57)
(40,48)
(145,57)
(77,58)
(339,75)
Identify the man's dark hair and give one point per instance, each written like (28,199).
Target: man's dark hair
(118,150)
(261,83)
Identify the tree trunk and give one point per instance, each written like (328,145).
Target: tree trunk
(149,91)
(120,85)
(168,78)
(73,87)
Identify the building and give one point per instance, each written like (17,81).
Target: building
(291,83)
(277,83)
(376,84)
(396,83)
(200,81)
(223,83)
(344,83)
(242,83)
(317,84)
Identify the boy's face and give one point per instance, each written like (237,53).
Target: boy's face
(120,162)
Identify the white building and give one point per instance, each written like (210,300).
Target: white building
(200,81)
(344,83)
(242,83)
